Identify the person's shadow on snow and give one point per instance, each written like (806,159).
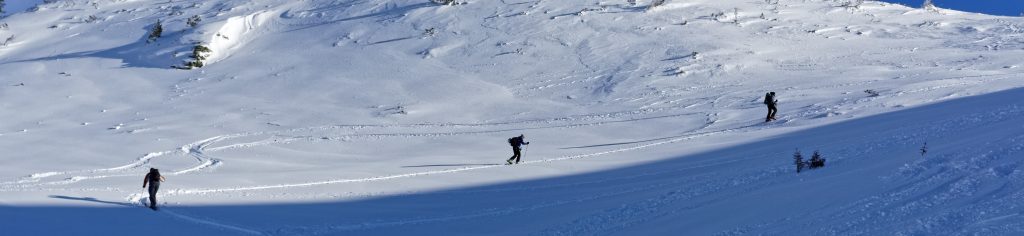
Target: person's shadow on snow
(451,165)
(91,199)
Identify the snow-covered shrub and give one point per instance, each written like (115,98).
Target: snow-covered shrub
(8,41)
(444,2)
(715,16)
(194,21)
(156,32)
(736,16)
(871,93)
(928,5)
(852,4)
(656,3)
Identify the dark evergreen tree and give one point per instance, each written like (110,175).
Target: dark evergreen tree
(798,160)
(924,149)
(158,30)
(2,7)
(816,160)
(198,56)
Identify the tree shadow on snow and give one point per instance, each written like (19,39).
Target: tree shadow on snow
(451,165)
(91,199)
(159,54)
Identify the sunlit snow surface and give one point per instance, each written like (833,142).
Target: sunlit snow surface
(391,117)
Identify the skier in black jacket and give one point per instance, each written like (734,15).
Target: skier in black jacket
(516,143)
(153,178)
(769,99)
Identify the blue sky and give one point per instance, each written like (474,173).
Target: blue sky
(992,7)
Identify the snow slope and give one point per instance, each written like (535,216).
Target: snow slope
(389,117)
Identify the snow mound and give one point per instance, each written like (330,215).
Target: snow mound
(390,117)
(230,35)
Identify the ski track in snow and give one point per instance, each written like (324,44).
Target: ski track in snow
(210,223)
(688,136)
(675,192)
(674,199)
(612,220)
(365,226)
(201,150)
(198,149)
(194,150)
(139,200)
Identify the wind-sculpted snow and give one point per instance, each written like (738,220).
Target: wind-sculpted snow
(376,117)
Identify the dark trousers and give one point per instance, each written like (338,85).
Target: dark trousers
(771,112)
(153,187)
(515,154)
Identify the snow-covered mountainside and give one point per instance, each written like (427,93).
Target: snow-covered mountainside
(391,117)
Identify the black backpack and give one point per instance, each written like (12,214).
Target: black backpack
(154,177)
(511,141)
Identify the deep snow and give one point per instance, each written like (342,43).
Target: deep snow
(379,117)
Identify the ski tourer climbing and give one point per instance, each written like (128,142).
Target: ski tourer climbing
(516,142)
(153,178)
(769,100)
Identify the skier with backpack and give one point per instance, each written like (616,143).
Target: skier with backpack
(516,143)
(769,100)
(153,178)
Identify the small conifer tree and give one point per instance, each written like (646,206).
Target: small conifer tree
(816,160)
(798,160)
(158,30)
(655,3)
(199,54)
(2,7)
